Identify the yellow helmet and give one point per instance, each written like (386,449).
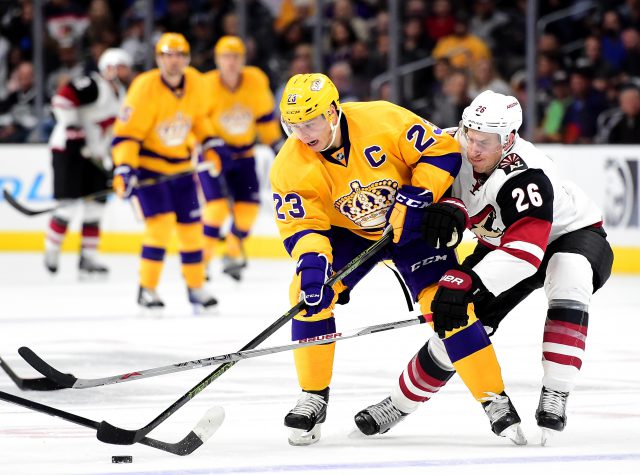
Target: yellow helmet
(307,96)
(230,44)
(172,43)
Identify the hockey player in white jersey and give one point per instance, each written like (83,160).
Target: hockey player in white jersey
(534,230)
(85,110)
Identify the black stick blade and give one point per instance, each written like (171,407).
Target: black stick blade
(45,369)
(110,434)
(21,208)
(30,384)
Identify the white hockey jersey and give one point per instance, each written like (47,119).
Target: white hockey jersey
(518,210)
(86,108)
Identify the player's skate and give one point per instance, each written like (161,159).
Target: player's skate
(504,419)
(202,300)
(52,260)
(234,260)
(306,418)
(551,413)
(90,269)
(150,302)
(379,418)
(233,267)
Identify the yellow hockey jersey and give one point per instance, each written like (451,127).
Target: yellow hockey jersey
(384,146)
(242,114)
(153,127)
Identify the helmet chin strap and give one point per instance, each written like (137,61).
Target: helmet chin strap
(334,131)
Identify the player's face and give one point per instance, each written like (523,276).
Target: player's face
(172,65)
(230,66)
(124,73)
(484,150)
(316,133)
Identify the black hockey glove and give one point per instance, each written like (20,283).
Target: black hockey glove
(444,223)
(456,289)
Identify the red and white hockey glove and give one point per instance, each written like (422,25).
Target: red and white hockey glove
(456,289)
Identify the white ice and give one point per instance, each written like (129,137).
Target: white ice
(94,330)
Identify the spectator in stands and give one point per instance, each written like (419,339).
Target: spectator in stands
(593,57)
(509,56)
(133,39)
(612,48)
(553,113)
(624,126)
(485,20)
(579,124)
(631,62)
(66,20)
(16,25)
(440,22)
(294,33)
(341,39)
(341,75)
(101,28)
(302,63)
(17,112)
(361,69)
(344,10)
(484,77)
(201,42)
(548,43)
(448,107)
(415,44)
(461,47)
(176,18)
(69,68)
(379,61)
(630,13)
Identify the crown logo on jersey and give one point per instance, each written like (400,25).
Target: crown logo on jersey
(237,120)
(174,131)
(367,205)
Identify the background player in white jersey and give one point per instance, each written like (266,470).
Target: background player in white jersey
(85,110)
(344,173)
(534,230)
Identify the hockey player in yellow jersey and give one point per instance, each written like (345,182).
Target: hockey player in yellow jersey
(242,110)
(345,172)
(163,106)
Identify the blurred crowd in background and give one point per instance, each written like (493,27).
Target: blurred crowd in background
(587,64)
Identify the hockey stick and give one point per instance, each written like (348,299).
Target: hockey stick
(111,434)
(102,193)
(205,428)
(70,381)
(32,384)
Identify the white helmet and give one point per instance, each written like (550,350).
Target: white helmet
(113,57)
(494,113)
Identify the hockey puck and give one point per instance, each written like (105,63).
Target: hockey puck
(121,459)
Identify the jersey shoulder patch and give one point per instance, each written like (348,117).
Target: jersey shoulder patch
(512,162)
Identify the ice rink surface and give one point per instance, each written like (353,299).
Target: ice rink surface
(95,330)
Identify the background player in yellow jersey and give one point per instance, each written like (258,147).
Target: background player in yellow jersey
(242,110)
(343,174)
(163,106)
